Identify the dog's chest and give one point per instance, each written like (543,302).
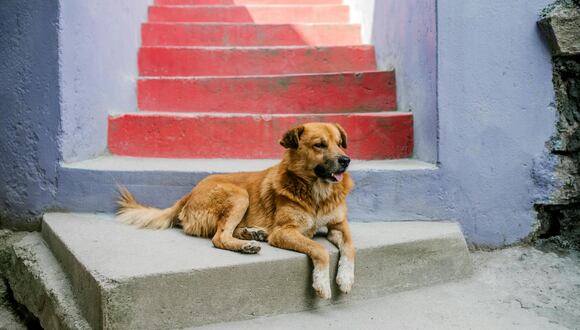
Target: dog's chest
(321,220)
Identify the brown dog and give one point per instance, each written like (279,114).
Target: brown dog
(284,205)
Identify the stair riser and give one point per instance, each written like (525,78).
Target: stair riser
(379,193)
(160,61)
(248,2)
(249,35)
(362,92)
(248,137)
(240,14)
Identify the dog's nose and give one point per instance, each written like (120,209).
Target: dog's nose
(343,161)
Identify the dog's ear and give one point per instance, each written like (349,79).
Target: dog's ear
(342,135)
(291,139)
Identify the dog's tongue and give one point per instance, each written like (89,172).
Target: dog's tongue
(338,176)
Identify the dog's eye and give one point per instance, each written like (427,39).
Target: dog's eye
(320,145)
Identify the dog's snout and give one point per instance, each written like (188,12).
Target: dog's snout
(343,161)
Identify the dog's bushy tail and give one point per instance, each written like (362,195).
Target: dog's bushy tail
(132,213)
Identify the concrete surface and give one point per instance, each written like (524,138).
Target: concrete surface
(39,283)
(516,288)
(29,110)
(131,278)
(384,190)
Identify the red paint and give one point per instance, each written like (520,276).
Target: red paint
(250,14)
(248,2)
(342,92)
(243,75)
(371,136)
(203,61)
(201,34)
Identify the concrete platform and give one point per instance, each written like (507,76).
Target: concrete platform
(126,278)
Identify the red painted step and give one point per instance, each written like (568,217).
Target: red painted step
(371,136)
(242,34)
(207,61)
(248,2)
(250,14)
(330,93)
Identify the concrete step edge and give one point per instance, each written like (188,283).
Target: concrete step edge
(40,284)
(218,24)
(413,254)
(256,115)
(266,76)
(143,164)
(315,6)
(261,48)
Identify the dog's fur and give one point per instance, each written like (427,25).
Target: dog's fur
(284,205)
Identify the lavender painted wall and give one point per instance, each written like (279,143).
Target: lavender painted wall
(29,110)
(489,79)
(405,39)
(99,41)
(495,114)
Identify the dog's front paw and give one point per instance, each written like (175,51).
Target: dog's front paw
(345,275)
(321,282)
(251,247)
(257,234)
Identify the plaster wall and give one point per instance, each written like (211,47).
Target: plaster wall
(478,77)
(405,39)
(29,110)
(496,112)
(99,41)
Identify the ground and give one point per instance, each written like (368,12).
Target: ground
(8,318)
(514,288)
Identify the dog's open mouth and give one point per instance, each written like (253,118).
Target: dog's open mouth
(337,176)
(330,175)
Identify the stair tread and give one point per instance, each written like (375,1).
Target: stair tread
(121,254)
(262,48)
(221,165)
(315,6)
(119,268)
(238,2)
(284,75)
(255,115)
(252,24)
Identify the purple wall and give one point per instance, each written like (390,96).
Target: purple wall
(99,41)
(29,110)
(404,34)
(496,112)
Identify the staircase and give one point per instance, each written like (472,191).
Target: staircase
(220,82)
(225,79)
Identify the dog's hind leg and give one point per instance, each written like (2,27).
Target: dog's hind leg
(223,238)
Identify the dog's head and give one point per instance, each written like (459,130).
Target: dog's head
(317,150)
